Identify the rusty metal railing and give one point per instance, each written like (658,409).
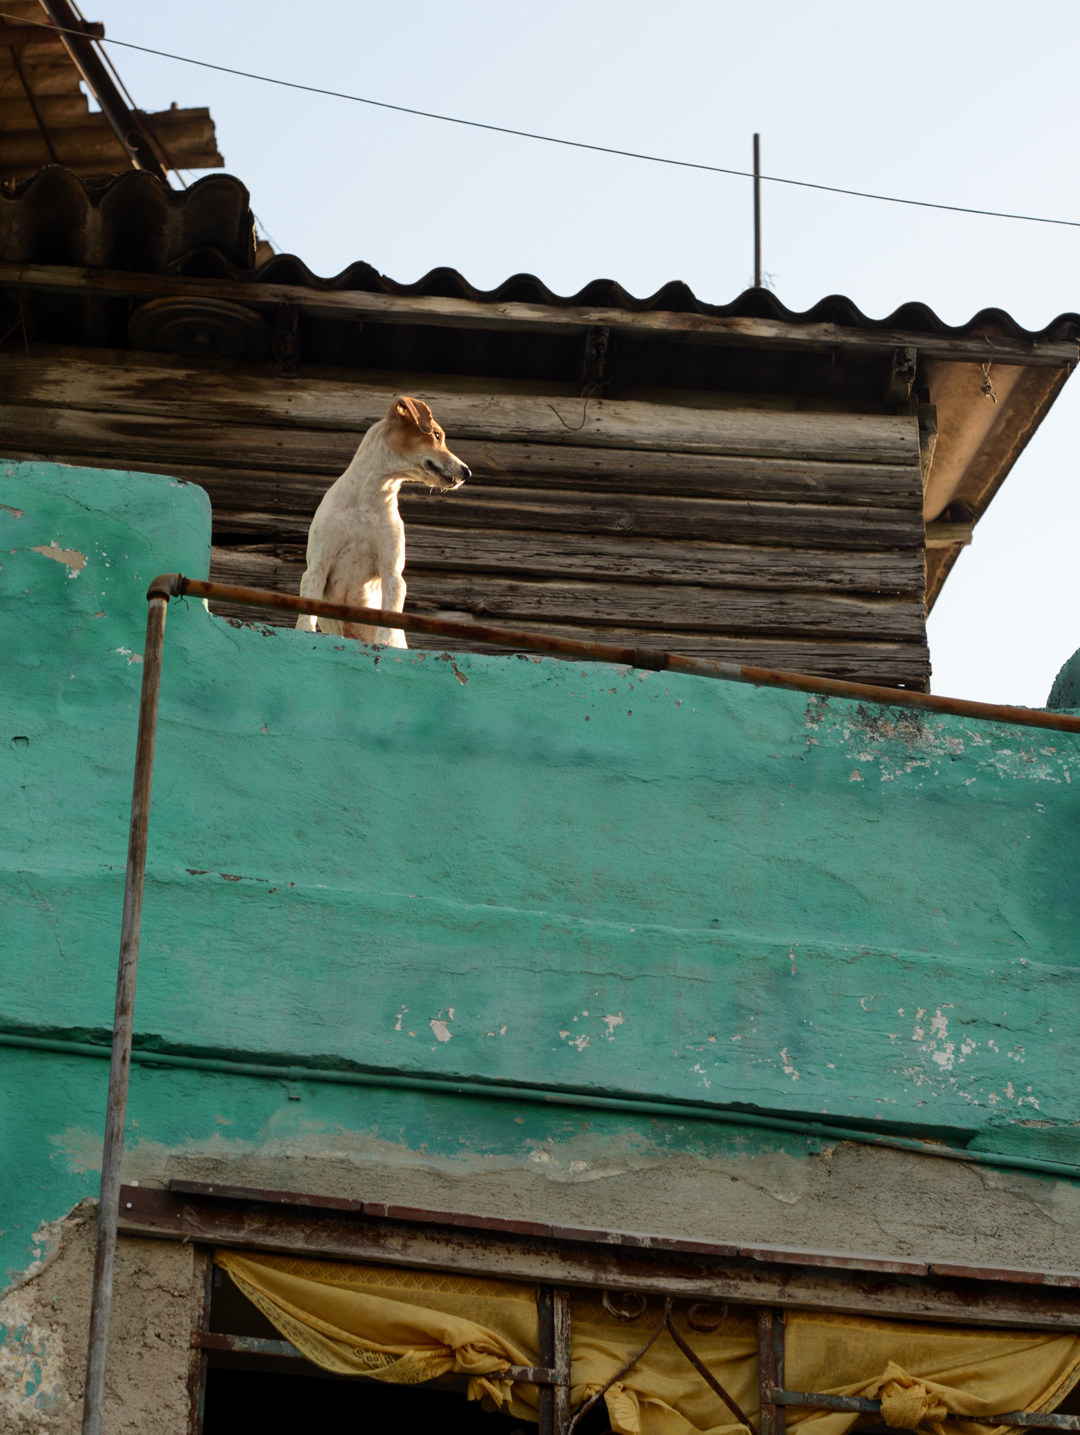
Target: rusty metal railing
(650,659)
(174,585)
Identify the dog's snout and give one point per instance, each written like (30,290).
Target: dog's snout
(448,471)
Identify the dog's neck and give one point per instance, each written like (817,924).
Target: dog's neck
(377,472)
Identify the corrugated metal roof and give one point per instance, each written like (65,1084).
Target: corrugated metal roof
(133,222)
(130,221)
(674,297)
(45,115)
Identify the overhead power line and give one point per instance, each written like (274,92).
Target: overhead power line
(557,140)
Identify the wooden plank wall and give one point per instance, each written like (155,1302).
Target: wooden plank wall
(788,539)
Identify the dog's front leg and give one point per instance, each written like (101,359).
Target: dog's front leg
(312,585)
(393,600)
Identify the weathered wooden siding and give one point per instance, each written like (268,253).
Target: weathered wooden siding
(764,534)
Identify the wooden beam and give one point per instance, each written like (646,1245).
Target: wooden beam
(607,559)
(111,440)
(523,465)
(89,141)
(17,36)
(57,111)
(902,368)
(353,304)
(637,515)
(208,395)
(477,505)
(283,490)
(704,610)
(726,610)
(948,535)
(47,73)
(289,470)
(788,525)
(692,475)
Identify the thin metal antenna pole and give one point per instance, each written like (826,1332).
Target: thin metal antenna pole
(120,1065)
(757,211)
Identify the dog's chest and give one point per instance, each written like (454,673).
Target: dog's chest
(367,543)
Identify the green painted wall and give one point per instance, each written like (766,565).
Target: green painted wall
(1065,693)
(502,868)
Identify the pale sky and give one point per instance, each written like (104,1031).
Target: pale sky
(958,102)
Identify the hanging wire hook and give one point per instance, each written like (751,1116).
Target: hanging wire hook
(574,428)
(588,393)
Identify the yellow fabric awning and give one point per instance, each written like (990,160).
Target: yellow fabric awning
(407,1326)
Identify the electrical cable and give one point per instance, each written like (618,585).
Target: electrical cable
(554,139)
(163,155)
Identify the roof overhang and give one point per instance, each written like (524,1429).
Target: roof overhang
(986,385)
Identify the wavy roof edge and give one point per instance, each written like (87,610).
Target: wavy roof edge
(220,202)
(130,221)
(673,297)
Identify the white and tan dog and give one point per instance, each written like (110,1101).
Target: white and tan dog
(356,542)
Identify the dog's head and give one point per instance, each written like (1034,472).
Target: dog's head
(412,432)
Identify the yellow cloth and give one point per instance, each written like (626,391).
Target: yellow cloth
(662,1394)
(397,1325)
(409,1326)
(920,1372)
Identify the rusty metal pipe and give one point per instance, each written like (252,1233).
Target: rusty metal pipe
(811,1400)
(650,659)
(120,1063)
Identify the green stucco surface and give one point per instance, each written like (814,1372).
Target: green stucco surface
(1065,693)
(498,868)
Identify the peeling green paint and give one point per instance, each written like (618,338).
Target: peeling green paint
(704,892)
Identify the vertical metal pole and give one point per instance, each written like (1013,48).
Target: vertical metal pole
(757,211)
(778,1329)
(199,1356)
(553,1310)
(561,1312)
(545,1315)
(767,1372)
(120,1066)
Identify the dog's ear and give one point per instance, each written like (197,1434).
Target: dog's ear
(413,413)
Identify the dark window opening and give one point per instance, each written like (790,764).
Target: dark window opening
(279,1395)
(275,1391)
(243,1401)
